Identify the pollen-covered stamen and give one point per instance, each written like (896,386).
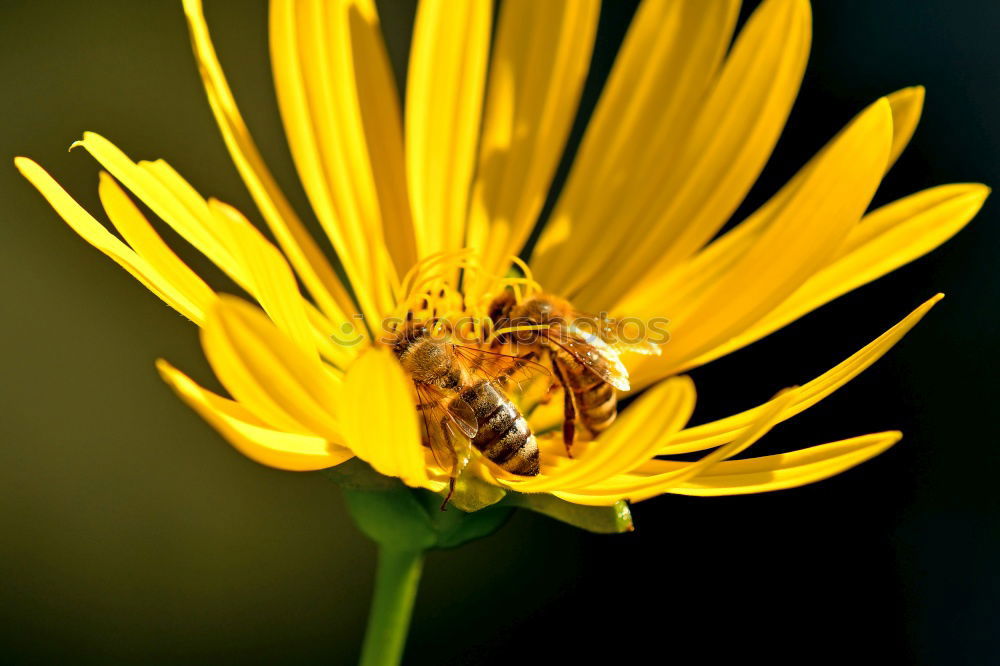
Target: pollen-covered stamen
(432,293)
(440,307)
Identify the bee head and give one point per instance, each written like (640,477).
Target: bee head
(406,336)
(500,308)
(542,309)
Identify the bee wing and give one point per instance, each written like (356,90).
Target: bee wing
(449,423)
(644,347)
(498,367)
(591,351)
(609,331)
(463,416)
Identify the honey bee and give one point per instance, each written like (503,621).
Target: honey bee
(585,362)
(461,399)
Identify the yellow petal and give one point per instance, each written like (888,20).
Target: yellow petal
(907,105)
(786,470)
(802,235)
(273,283)
(236,246)
(658,84)
(705,267)
(180,205)
(379,419)
(884,240)
(139,233)
(269,374)
(158,186)
(538,67)
(331,135)
(444,100)
(97,235)
(252,437)
(634,438)
(303,252)
(717,432)
(721,155)
(378,103)
(635,488)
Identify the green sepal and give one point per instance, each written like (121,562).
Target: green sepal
(399,517)
(471,494)
(356,474)
(455,527)
(472,526)
(613,519)
(407,519)
(394,519)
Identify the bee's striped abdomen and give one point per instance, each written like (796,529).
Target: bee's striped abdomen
(503,436)
(596,400)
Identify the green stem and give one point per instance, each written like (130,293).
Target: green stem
(396,581)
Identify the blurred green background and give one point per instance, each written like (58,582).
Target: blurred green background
(131,533)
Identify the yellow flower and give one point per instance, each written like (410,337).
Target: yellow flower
(455,180)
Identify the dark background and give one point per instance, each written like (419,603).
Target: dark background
(132,534)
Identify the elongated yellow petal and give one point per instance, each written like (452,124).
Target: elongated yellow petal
(292,236)
(928,214)
(139,233)
(179,204)
(378,104)
(332,136)
(273,284)
(801,237)
(633,439)
(97,235)
(645,425)
(645,297)
(722,153)
(907,105)
(717,432)
(658,84)
(267,372)
(537,72)
(272,279)
(379,419)
(169,196)
(252,437)
(234,244)
(444,101)
(637,489)
(786,470)
(886,239)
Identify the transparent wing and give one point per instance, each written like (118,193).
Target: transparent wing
(449,423)
(615,334)
(644,347)
(499,367)
(591,351)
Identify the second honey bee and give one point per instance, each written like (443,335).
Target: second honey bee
(461,399)
(586,362)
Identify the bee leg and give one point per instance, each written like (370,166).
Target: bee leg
(451,491)
(547,398)
(551,392)
(569,409)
